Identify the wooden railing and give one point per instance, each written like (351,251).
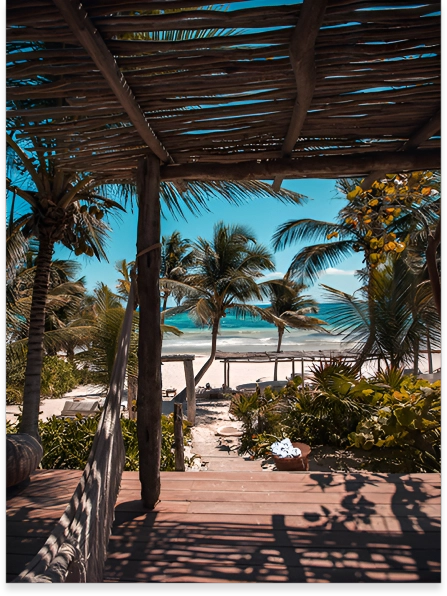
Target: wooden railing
(77,548)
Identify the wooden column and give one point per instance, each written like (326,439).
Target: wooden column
(179,448)
(302,373)
(190,391)
(149,400)
(293,368)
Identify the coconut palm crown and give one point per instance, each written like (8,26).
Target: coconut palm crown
(290,308)
(223,278)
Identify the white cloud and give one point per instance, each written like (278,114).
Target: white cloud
(272,275)
(335,271)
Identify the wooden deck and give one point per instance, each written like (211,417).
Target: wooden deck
(255,527)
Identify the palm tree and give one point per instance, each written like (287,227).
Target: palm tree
(65,328)
(223,278)
(63,208)
(404,313)
(106,313)
(176,257)
(289,308)
(377,222)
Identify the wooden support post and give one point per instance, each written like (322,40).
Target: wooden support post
(228,374)
(149,401)
(429,356)
(293,368)
(179,448)
(190,391)
(132,388)
(302,372)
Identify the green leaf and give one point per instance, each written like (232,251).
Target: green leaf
(405,416)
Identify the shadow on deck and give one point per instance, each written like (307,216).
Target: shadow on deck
(256,527)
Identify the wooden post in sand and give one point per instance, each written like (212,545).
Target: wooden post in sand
(190,391)
(179,449)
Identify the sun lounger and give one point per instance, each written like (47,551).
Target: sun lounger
(85,407)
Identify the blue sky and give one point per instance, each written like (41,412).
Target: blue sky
(263,216)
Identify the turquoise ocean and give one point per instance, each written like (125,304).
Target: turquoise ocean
(248,335)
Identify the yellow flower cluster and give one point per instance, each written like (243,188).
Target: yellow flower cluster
(373,210)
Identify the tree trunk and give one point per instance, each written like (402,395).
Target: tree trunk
(278,348)
(163,308)
(149,399)
(31,392)
(366,350)
(180,397)
(132,391)
(416,357)
(432,266)
(429,355)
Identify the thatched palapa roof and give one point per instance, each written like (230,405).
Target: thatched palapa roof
(323,89)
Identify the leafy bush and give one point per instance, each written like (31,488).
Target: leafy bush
(396,418)
(67,442)
(58,377)
(409,419)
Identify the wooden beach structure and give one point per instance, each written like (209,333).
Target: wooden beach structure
(291,356)
(313,89)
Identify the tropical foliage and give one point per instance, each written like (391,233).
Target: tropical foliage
(176,258)
(67,441)
(65,208)
(395,418)
(398,217)
(405,316)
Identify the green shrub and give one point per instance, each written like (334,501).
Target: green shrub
(408,419)
(67,442)
(395,418)
(58,377)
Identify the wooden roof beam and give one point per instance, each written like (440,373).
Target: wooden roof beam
(306,167)
(425,132)
(302,56)
(90,39)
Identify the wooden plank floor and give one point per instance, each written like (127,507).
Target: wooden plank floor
(251,527)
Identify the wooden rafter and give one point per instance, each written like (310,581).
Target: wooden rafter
(302,56)
(90,39)
(422,134)
(306,167)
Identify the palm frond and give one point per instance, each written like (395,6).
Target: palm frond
(195,195)
(312,260)
(307,229)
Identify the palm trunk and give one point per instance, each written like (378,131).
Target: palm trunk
(278,348)
(429,355)
(372,327)
(164,307)
(149,399)
(180,397)
(432,266)
(31,392)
